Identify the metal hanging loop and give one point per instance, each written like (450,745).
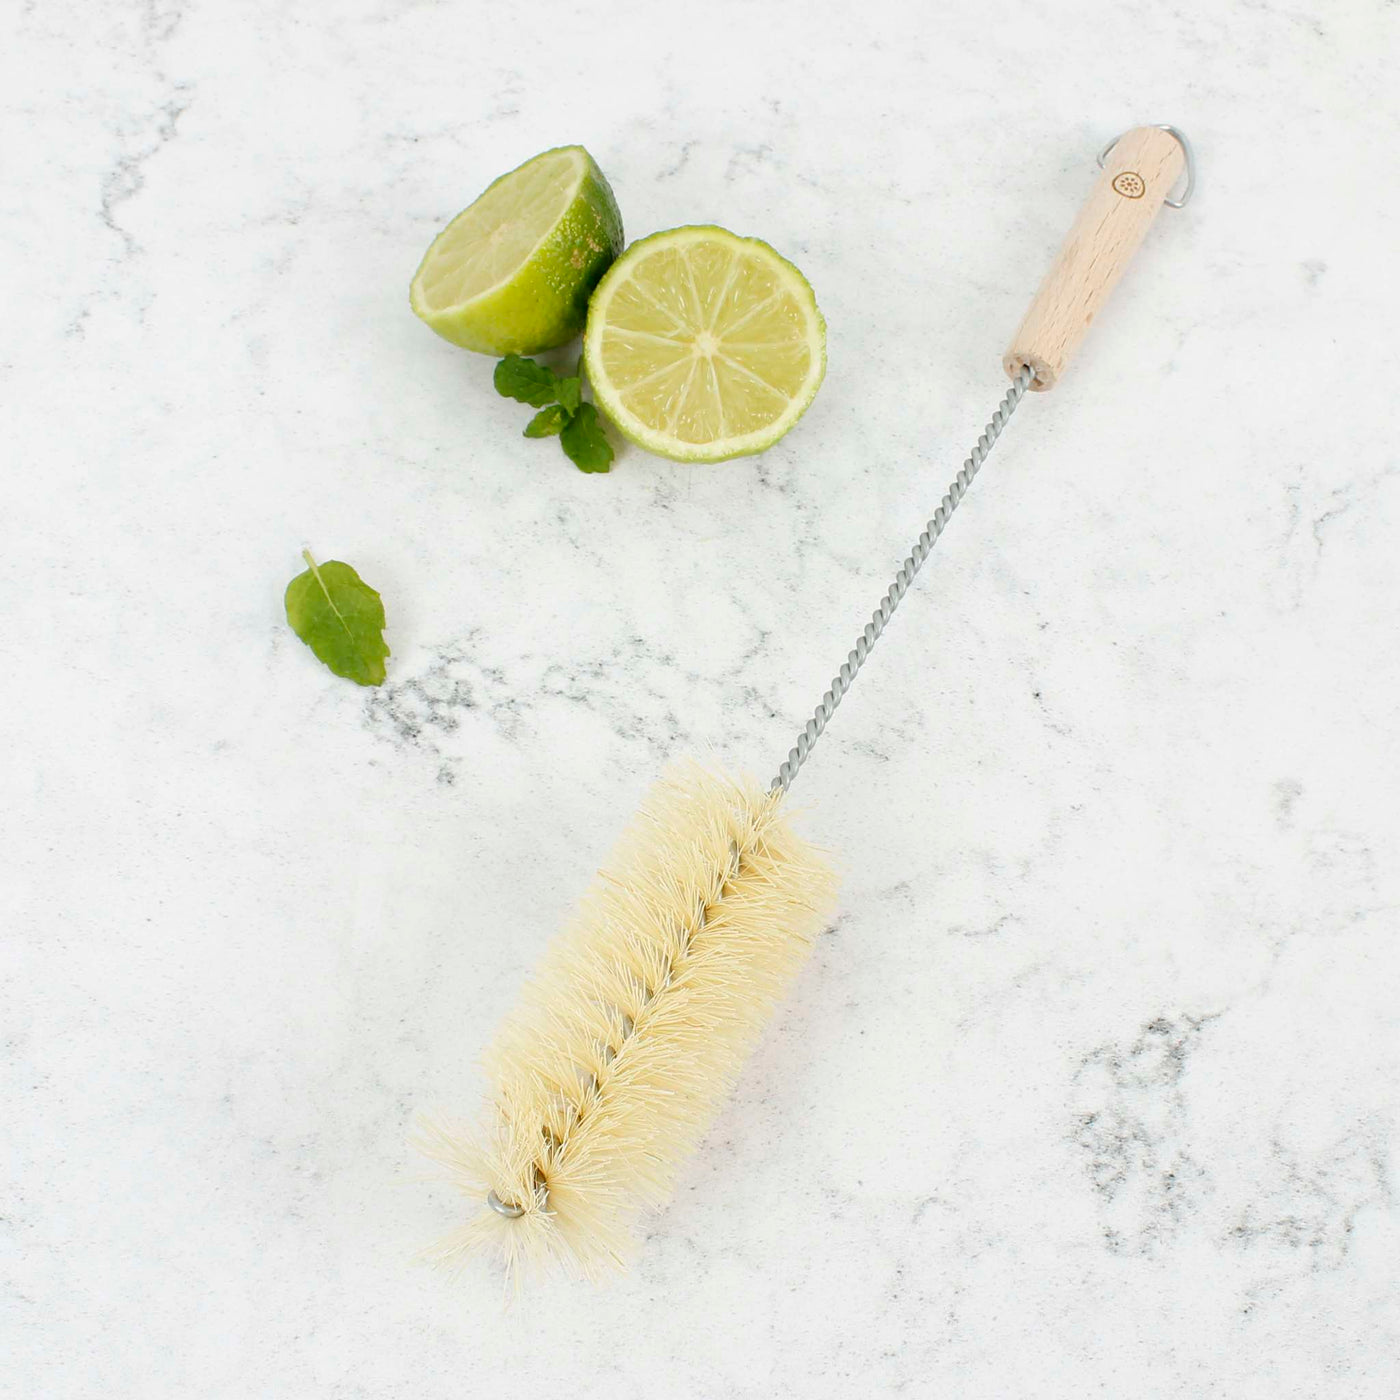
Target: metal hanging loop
(1180,136)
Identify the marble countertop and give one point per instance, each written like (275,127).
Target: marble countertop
(1091,1088)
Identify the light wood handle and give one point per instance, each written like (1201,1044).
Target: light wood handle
(1138,174)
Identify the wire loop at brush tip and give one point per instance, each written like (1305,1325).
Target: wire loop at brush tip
(636,1024)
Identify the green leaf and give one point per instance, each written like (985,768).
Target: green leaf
(584,441)
(526,381)
(570,392)
(547,422)
(341,618)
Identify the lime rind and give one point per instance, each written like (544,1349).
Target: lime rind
(610,397)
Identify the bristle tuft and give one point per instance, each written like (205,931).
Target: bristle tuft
(636,1024)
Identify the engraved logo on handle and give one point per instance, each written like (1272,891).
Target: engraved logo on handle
(1130,184)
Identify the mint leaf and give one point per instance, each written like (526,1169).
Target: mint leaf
(341,618)
(547,422)
(525,381)
(570,392)
(562,410)
(584,441)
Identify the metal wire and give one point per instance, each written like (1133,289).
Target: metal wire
(842,683)
(911,566)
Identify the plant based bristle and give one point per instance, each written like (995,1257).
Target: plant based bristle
(636,1024)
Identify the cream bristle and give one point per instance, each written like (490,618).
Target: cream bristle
(689,937)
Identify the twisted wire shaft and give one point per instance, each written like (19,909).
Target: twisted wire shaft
(841,683)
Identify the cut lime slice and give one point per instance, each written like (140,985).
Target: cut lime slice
(514,271)
(702,345)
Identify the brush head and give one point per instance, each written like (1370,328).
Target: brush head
(636,1024)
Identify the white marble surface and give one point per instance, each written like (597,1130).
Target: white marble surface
(1091,1090)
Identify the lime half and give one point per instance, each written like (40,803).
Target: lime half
(514,271)
(702,345)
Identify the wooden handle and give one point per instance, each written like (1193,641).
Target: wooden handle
(1138,174)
